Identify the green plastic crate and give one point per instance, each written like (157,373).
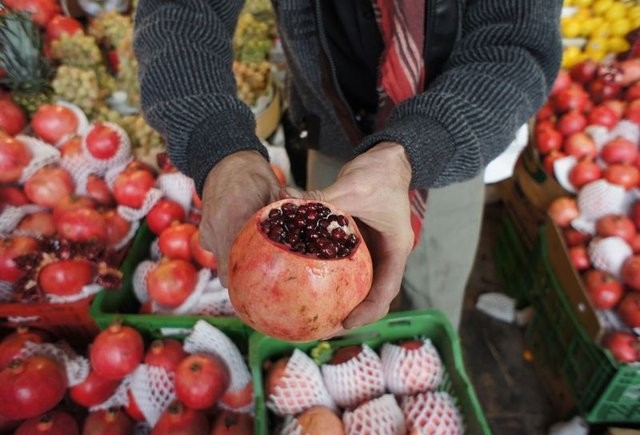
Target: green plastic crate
(513,262)
(604,390)
(396,326)
(121,304)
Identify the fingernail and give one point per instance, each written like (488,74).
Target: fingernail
(347,324)
(293,193)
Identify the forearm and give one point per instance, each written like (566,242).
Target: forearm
(497,76)
(188,91)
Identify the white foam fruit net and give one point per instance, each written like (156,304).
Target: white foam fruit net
(83,121)
(600,135)
(154,250)
(139,280)
(410,371)
(300,388)
(122,155)
(76,366)
(79,170)
(432,412)
(6,291)
(355,381)
(11,216)
(206,338)
(377,416)
(561,169)
(215,300)
(628,130)
(597,199)
(135,214)
(118,399)
(609,254)
(152,388)
(85,292)
(190,304)
(177,187)
(42,154)
(133,228)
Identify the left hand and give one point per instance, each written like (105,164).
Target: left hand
(374,187)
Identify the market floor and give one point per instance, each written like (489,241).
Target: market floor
(513,399)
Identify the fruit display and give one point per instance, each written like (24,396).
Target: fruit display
(122,381)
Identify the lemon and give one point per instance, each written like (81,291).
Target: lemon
(571,56)
(596,55)
(588,26)
(616,11)
(618,44)
(601,31)
(582,3)
(570,27)
(620,27)
(633,12)
(582,14)
(596,44)
(635,23)
(568,3)
(599,7)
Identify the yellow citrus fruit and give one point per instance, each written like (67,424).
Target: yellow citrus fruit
(596,44)
(633,12)
(601,31)
(571,56)
(620,27)
(618,44)
(582,3)
(599,7)
(596,55)
(589,25)
(616,11)
(582,14)
(568,3)
(635,22)
(570,27)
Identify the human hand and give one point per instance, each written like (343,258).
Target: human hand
(236,187)
(374,187)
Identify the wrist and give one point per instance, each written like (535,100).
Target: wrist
(396,156)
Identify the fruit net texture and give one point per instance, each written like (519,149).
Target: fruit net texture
(42,154)
(177,187)
(411,371)
(355,381)
(377,416)
(432,412)
(76,366)
(153,390)
(597,199)
(609,254)
(122,155)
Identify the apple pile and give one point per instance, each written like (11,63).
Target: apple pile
(195,393)
(344,390)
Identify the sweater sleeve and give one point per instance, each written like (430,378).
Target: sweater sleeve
(498,75)
(188,91)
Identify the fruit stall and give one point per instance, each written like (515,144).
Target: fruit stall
(113,319)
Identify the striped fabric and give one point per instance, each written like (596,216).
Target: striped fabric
(402,73)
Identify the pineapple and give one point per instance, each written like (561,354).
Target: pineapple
(128,70)
(78,86)
(27,70)
(77,50)
(110,28)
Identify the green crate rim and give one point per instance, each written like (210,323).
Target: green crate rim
(355,337)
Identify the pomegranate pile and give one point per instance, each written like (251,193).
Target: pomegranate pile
(297,269)
(355,389)
(165,387)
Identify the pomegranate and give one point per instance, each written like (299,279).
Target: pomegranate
(166,353)
(14,156)
(579,257)
(132,408)
(62,25)
(624,346)
(573,237)
(42,11)
(201,380)
(632,92)
(584,172)
(563,210)
(548,140)
(627,176)
(632,112)
(171,282)
(51,423)
(175,241)
(619,150)
(52,123)
(550,158)
(629,309)
(203,257)
(320,420)
(237,399)
(108,422)
(580,145)
(631,272)
(583,72)
(13,195)
(94,390)
(297,269)
(163,214)
(545,113)
(275,375)
(12,118)
(616,225)
(603,115)
(72,202)
(117,227)
(82,225)
(179,419)
(345,354)
(562,82)
(40,223)
(65,277)
(102,141)
(99,191)
(131,186)
(573,97)
(116,351)
(48,186)
(12,344)
(10,248)
(31,387)
(571,122)
(604,290)
(231,423)
(71,147)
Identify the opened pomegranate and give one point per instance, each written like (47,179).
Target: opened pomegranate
(14,156)
(94,390)
(65,277)
(12,344)
(116,351)
(201,380)
(108,422)
(179,419)
(166,353)
(297,269)
(51,423)
(31,387)
(10,248)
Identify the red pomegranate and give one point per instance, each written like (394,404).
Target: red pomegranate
(298,285)
(116,351)
(51,423)
(12,344)
(108,422)
(319,420)
(178,419)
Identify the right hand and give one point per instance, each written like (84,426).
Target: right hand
(237,186)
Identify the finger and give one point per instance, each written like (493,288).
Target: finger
(387,279)
(334,194)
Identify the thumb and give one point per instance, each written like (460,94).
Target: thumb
(332,194)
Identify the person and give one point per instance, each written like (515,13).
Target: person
(402,102)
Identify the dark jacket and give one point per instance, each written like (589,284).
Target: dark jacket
(499,71)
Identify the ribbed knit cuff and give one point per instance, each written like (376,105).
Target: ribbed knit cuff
(428,145)
(209,144)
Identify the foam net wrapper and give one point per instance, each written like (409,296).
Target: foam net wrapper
(355,381)
(609,254)
(177,187)
(628,130)
(378,416)
(76,366)
(597,199)
(432,413)
(42,154)
(154,250)
(153,390)
(600,135)
(123,154)
(214,300)
(561,169)
(118,399)
(79,170)
(300,388)
(139,280)
(133,228)
(410,371)
(11,216)
(206,338)
(112,173)
(85,292)
(136,214)
(190,305)
(6,291)
(83,121)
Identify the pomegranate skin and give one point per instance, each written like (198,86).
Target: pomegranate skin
(292,296)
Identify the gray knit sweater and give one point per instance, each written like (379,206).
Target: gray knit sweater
(498,74)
